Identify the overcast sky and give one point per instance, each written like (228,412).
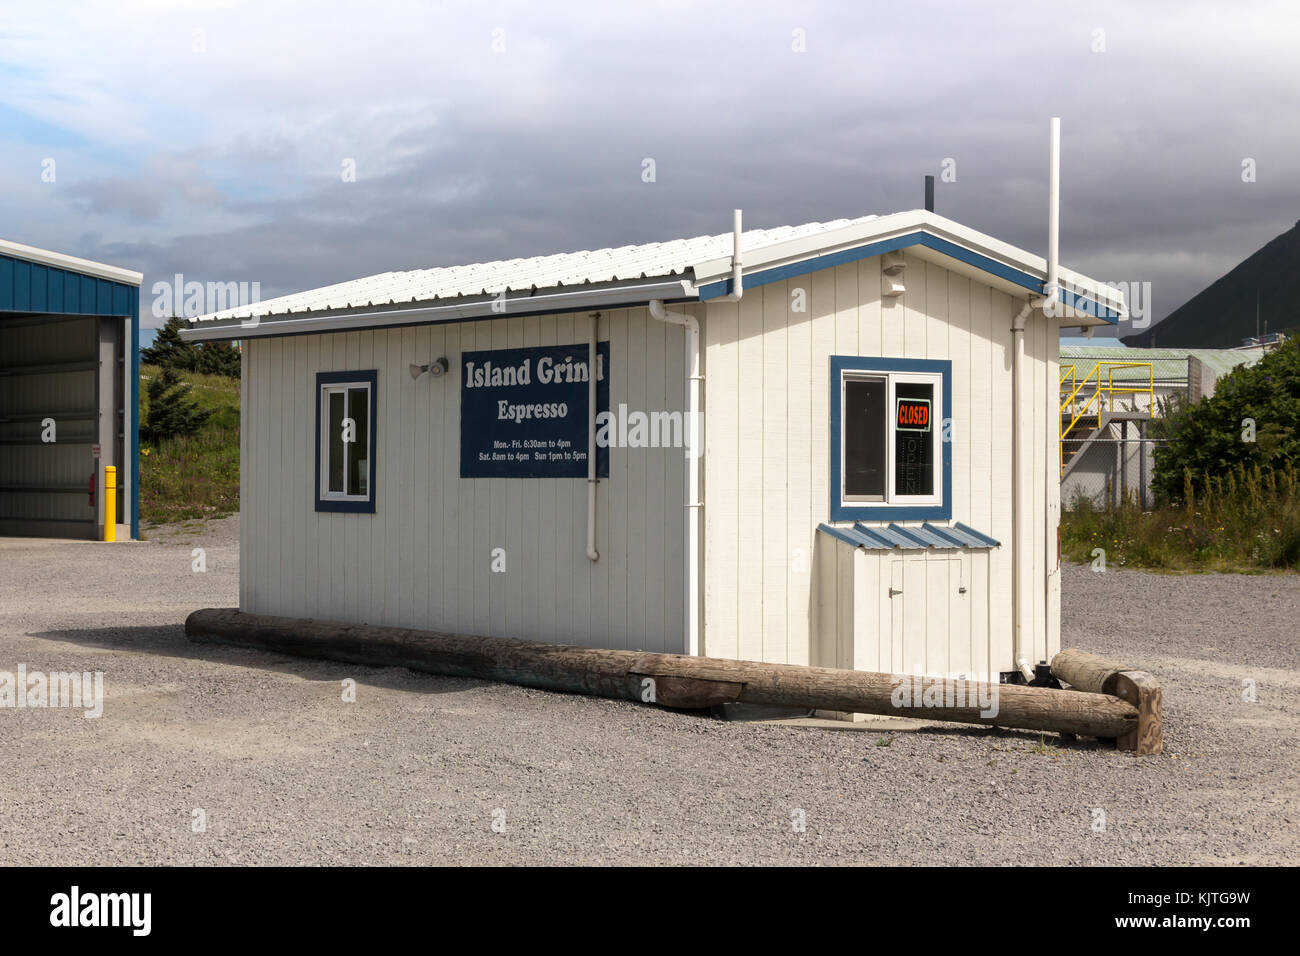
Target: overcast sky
(212,138)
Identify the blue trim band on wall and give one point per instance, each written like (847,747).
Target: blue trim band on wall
(886,512)
(370,376)
(714,290)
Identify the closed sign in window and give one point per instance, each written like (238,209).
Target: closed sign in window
(914,414)
(890,447)
(914,457)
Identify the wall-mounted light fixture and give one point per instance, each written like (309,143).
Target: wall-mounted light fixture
(436,369)
(892,266)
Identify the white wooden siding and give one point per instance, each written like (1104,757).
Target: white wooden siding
(929,626)
(767,471)
(422,560)
(772,590)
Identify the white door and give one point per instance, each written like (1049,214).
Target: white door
(929,615)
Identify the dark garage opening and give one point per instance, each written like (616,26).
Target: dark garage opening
(68,366)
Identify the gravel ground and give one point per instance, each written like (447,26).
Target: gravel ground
(419,767)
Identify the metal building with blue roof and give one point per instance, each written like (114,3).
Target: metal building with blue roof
(69,364)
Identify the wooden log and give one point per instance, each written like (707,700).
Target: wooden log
(1087,672)
(676,680)
(1143,692)
(1098,675)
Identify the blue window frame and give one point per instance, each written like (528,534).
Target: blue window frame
(347,406)
(891,454)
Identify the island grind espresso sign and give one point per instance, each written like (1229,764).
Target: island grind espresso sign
(523,412)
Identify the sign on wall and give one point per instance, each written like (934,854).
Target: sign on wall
(523,412)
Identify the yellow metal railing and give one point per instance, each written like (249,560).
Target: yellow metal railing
(1088,397)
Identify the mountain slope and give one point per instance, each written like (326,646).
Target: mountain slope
(1221,315)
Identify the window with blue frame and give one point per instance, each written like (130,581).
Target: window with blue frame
(346,417)
(890,460)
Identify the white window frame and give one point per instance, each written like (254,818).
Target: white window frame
(937,412)
(326,389)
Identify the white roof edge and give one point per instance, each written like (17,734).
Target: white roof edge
(898,224)
(60,260)
(623,295)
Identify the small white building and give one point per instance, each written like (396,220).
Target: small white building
(417,447)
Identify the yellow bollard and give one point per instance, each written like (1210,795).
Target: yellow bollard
(110,503)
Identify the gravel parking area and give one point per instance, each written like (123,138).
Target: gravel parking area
(420,768)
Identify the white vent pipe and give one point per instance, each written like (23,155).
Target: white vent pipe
(1047,303)
(737,279)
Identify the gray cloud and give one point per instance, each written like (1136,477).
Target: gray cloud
(464,155)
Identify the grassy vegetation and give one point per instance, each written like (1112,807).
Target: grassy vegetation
(1245,520)
(198,476)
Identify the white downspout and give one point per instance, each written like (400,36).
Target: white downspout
(593,363)
(1017,497)
(694,452)
(695,419)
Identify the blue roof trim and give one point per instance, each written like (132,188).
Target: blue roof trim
(911,537)
(714,290)
(982,540)
(840,534)
(33,287)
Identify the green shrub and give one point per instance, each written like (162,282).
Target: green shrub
(171,414)
(1214,436)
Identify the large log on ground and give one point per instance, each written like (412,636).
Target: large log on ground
(672,680)
(1087,672)
(1094,674)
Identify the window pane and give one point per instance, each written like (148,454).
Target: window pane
(334,429)
(913,439)
(864,437)
(359,452)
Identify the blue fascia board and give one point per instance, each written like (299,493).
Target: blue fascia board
(33,287)
(714,290)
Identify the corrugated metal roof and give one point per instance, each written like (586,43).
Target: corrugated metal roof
(564,270)
(910,537)
(1167,365)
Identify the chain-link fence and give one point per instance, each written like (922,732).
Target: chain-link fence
(1108,468)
